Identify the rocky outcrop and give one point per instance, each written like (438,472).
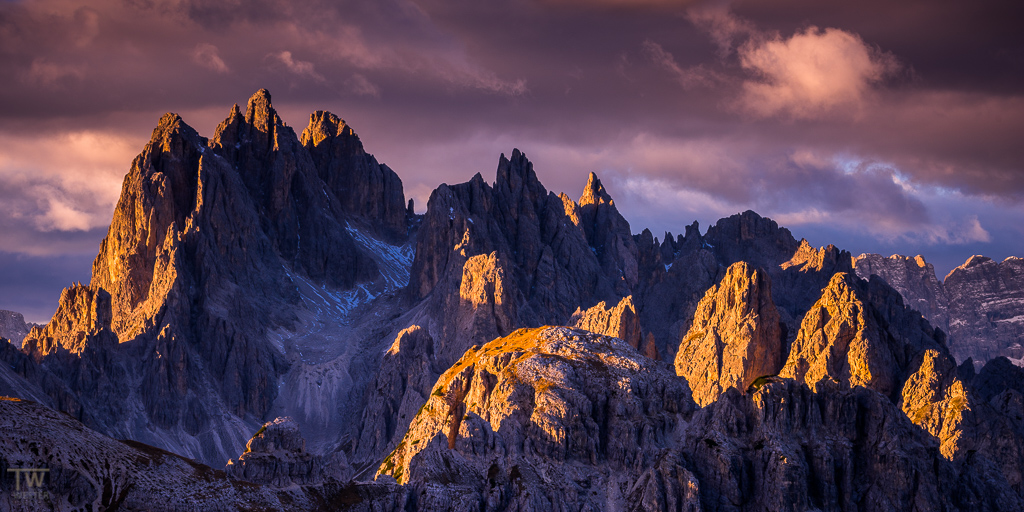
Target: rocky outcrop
(798,281)
(986,308)
(749,237)
(936,399)
(83,313)
(89,471)
(673,277)
(993,425)
(521,406)
(609,235)
(276,456)
(13,326)
(860,334)
(534,244)
(365,188)
(735,337)
(619,321)
(675,273)
(914,278)
(980,304)
(784,447)
(401,386)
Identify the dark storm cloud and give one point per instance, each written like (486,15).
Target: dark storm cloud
(897,123)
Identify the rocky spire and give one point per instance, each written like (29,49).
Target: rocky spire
(860,334)
(609,235)
(369,193)
(594,193)
(735,337)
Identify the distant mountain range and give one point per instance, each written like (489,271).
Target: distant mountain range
(268,304)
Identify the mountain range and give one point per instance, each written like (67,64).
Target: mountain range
(271,326)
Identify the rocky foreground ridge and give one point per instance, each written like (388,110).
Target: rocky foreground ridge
(267,303)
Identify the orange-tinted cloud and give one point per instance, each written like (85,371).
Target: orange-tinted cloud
(811,74)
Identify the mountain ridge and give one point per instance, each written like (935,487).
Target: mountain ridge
(260,275)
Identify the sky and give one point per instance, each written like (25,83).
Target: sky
(877,126)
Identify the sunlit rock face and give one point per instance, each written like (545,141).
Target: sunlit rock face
(619,321)
(735,337)
(545,418)
(859,334)
(676,273)
(83,314)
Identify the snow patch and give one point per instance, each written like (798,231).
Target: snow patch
(394,261)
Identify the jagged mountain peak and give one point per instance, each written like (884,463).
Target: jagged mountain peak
(516,182)
(324,125)
(594,192)
(259,111)
(973,261)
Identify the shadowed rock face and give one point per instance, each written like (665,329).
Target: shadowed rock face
(276,456)
(89,471)
(365,188)
(986,309)
(785,447)
(201,263)
(13,326)
(735,337)
(980,304)
(407,374)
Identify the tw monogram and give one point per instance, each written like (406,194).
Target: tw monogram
(33,478)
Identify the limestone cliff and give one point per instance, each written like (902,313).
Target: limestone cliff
(619,321)
(986,308)
(980,304)
(13,326)
(860,334)
(547,418)
(365,188)
(914,278)
(735,337)
(205,275)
